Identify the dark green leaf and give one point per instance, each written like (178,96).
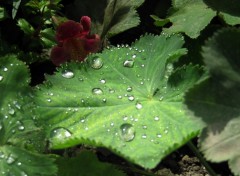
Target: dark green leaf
(16,4)
(25,26)
(221,54)
(86,164)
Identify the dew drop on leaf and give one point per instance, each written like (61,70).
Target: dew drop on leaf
(159,135)
(10,159)
(60,133)
(1,78)
(128,63)
(111,90)
(1,126)
(129,89)
(144,136)
(5,69)
(127,132)
(11,111)
(156,118)
(67,74)
(97,91)
(103,81)
(96,62)
(131,98)
(139,105)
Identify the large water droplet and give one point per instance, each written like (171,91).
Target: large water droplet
(5,69)
(97,91)
(10,159)
(60,133)
(127,132)
(139,105)
(67,74)
(131,98)
(96,62)
(128,63)
(1,78)
(11,111)
(129,89)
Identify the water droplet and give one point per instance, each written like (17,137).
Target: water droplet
(142,65)
(165,131)
(1,78)
(96,62)
(103,81)
(10,159)
(141,82)
(144,136)
(112,124)
(104,100)
(5,69)
(23,173)
(49,100)
(111,90)
(156,118)
(19,163)
(67,74)
(125,118)
(159,135)
(127,132)
(119,97)
(21,128)
(134,56)
(161,98)
(97,91)
(60,133)
(144,126)
(1,126)
(131,98)
(2,155)
(128,63)
(129,89)
(139,105)
(11,111)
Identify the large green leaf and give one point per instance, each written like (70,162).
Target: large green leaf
(190,17)
(123,99)
(217,100)
(17,124)
(86,163)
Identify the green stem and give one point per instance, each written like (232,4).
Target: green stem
(202,160)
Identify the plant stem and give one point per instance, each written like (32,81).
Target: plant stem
(202,160)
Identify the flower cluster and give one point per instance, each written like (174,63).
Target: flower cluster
(74,41)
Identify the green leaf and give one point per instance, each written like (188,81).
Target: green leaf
(109,17)
(229,19)
(16,4)
(3,13)
(47,36)
(221,54)
(158,21)
(216,101)
(86,163)
(17,161)
(17,124)
(121,99)
(219,108)
(25,26)
(190,17)
(120,16)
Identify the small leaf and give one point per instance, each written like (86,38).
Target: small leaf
(16,4)
(3,13)
(48,37)
(190,17)
(25,26)
(158,21)
(122,99)
(86,163)
(16,161)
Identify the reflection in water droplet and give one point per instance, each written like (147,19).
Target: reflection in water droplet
(1,78)
(49,100)
(159,135)
(156,118)
(129,89)
(119,97)
(21,128)
(127,132)
(97,91)
(96,62)
(60,133)
(5,69)
(139,105)
(67,74)
(128,63)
